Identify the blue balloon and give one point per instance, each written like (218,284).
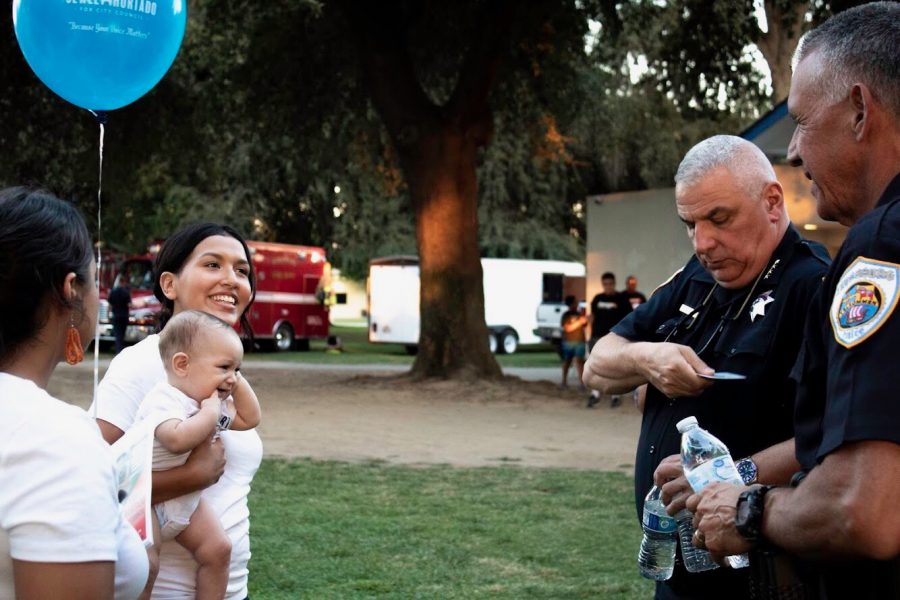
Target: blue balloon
(100,54)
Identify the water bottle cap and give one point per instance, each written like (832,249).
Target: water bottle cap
(686,423)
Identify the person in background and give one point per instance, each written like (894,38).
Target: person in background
(574,323)
(737,305)
(840,518)
(635,299)
(631,293)
(61,533)
(120,302)
(607,308)
(206,267)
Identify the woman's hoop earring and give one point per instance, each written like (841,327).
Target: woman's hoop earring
(74,349)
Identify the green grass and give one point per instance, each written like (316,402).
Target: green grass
(336,530)
(358,350)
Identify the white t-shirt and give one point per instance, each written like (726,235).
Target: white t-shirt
(58,490)
(131,375)
(163,403)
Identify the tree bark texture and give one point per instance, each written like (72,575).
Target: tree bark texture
(437,148)
(786,23)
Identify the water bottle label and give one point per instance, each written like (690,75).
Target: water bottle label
(659,524)
(718,469)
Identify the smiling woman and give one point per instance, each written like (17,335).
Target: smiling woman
(204,267)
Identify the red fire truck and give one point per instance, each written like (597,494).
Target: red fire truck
(290,309)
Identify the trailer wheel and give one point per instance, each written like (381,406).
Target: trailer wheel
(284,338)
(508,342)
(492,343)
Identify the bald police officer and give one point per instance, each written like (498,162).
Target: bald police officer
(737,305)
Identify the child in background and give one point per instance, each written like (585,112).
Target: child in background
(205,393)
(574,323)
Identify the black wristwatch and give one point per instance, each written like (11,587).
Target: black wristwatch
(750,505)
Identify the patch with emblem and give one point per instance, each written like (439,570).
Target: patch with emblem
(865,297)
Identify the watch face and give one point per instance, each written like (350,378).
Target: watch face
(749,512)
(747,470)
(743,512)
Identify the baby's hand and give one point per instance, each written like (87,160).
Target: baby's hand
(211,403)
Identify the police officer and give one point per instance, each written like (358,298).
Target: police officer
(845,97)
(738,306)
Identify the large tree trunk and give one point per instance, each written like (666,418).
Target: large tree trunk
(437,146)
(786,23)
(441,176)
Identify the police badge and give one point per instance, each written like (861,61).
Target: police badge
(865,297)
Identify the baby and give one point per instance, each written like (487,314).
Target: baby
(204,394)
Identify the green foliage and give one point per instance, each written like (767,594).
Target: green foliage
(264,113)
(696,53)
(332,530)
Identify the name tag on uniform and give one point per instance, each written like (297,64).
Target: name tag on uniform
(686,310)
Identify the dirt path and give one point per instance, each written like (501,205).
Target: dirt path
(357,417)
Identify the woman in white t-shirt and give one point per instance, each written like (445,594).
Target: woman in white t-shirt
(61,533)
(204,267)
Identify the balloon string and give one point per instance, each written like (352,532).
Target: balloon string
(101,120)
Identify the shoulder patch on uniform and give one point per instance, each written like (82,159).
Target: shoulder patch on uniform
(864,299)
(667,281)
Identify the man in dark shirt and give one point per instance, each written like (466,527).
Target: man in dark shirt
(737,305)
(119,302)
(842,516)
(631,293)
(607,308)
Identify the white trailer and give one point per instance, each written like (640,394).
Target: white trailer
(513,290)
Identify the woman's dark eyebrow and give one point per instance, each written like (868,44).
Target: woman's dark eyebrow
(217,256)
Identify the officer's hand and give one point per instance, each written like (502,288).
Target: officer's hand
(714,510)
(673,368)
(673,485)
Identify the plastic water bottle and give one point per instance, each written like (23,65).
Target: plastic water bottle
(656,558)
(706,460)
(695,559)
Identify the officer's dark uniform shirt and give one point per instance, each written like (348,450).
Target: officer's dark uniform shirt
(756,331)
(847,384)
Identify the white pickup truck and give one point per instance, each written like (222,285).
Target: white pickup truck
(549,317)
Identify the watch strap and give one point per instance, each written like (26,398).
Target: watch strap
(749,517)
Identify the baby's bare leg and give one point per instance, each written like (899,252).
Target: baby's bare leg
(152,557)
(209,544)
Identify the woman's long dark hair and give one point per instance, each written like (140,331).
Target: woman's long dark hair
(42,239)
(175,252)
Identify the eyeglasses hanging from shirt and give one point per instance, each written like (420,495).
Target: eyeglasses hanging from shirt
(690,316)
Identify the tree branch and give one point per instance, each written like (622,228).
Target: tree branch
(387,68)
(468,103)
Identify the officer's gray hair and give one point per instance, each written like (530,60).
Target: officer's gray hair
(858,45)
(744,161)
